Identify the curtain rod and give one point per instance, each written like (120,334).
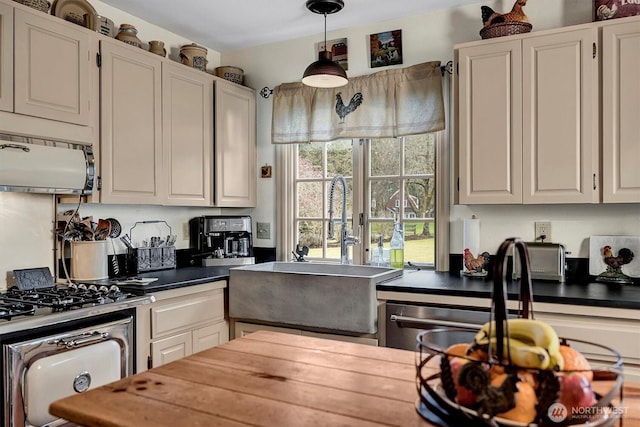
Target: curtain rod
(266,92)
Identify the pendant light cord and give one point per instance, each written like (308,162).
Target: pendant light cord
(325,31)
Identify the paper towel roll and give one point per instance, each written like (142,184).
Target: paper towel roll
(471,235)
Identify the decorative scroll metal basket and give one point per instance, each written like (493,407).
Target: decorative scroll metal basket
(438,393)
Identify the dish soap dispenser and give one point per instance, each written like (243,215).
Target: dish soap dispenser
(397,246)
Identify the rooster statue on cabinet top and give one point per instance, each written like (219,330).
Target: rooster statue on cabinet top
(490,17)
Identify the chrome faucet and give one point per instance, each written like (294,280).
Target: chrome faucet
(345,240)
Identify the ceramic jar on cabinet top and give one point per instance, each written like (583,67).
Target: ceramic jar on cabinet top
(129,35)
(194,56)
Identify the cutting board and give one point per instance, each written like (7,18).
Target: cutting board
(596,260)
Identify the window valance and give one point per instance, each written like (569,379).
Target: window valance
(388,103)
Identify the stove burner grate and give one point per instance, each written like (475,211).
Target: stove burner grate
(11,309)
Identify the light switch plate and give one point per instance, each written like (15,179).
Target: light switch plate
(264,230)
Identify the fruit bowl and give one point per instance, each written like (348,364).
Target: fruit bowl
(441,407)
(515,372)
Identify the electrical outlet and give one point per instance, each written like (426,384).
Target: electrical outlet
(543,231)
(185,231)
(264,230)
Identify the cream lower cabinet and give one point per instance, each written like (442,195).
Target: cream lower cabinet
(528,126)
(235,145)
(621,111)
(241,329)
(181,322)
(621,335)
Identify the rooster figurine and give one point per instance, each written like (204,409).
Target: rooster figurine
(343,110)
(614,273)
(490,17)
(475,266)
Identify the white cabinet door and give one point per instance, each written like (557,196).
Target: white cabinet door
(6,57)
(187,134)
(560,118)
(171,349)
(490,127)
(131,114)
(52,66)
(210,336)
(621,112)
(235,145)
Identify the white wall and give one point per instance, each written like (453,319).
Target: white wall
(425,38)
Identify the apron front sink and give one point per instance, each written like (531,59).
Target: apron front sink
(328,296)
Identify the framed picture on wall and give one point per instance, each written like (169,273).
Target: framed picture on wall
(386,48)
(338,49)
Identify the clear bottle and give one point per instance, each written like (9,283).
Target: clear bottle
(397,247)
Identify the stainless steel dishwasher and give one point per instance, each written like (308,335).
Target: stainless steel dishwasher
(404,321)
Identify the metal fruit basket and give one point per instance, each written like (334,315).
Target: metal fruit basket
(438,378)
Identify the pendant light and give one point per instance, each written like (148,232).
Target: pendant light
(325,72)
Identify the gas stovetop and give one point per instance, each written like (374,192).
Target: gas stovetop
(17,302)
(33,303)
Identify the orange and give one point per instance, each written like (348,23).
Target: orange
(525,409)
(459,350)
(575,361)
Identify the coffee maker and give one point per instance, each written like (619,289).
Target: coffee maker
(222,240)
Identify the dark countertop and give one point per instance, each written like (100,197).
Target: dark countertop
(178,278)
(431,282)
(588,294)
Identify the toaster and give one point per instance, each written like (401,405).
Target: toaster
(547,261)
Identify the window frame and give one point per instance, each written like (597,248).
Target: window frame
(287,202)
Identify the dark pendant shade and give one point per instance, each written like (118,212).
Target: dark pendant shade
(325,72)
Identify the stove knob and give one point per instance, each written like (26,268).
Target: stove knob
(82,286)
(114,288)
(103,289)
(93,288)
(73,286)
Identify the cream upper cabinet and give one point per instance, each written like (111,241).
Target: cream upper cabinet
(490,123)
(560,118)
(131,128)
(187,134)
(621,111)
(6,57)
(528,125)
(235,145)
(52,68)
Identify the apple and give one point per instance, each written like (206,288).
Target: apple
(576,392)
(464,396)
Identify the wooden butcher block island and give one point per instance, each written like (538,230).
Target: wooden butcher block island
(269,379)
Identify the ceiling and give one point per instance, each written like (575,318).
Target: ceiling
(236,24)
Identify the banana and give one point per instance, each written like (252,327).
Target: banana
(529,331)
(556,361)
(523,354)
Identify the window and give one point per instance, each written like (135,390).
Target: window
(386,179)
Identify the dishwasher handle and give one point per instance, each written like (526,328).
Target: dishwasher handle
(431,322)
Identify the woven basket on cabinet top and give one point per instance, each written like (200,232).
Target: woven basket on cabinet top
(505,29)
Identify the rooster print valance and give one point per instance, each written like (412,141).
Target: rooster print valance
(385,104)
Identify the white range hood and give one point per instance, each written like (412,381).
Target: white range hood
(44,166)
